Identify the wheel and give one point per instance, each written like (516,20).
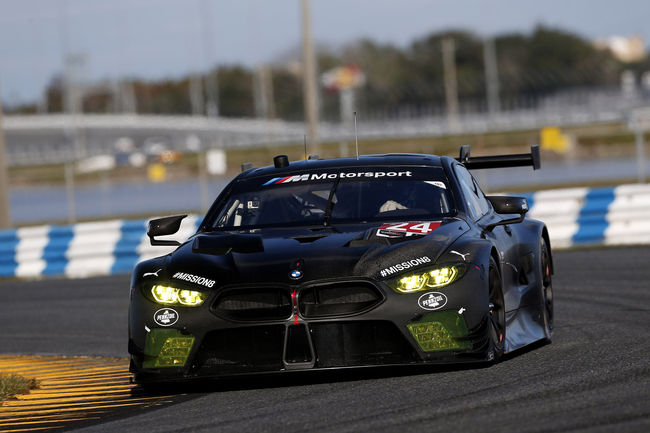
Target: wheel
(547,289)
(496,314)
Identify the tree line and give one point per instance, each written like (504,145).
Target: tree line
(532,65)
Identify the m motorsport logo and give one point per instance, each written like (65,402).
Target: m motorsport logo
(341,175)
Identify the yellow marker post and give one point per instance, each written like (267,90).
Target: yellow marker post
(156,172)
(551,138)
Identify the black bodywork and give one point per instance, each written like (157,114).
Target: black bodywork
(316,296)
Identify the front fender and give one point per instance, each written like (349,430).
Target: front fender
(148,269)
(469,251)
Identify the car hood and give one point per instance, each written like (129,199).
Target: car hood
(270,255)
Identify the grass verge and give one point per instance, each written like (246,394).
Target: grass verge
(14,384)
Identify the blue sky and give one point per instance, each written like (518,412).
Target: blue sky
(163,38)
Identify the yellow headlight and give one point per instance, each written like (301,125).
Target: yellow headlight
(171,295)
(190,297)
(431,278)
(165,294)
(442,276)
(411,283)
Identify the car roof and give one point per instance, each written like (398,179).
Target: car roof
(364,161)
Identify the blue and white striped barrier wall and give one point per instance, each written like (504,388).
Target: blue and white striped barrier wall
(81,250)
(594,216)
(576,216)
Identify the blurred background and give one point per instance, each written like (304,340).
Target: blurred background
(134,108)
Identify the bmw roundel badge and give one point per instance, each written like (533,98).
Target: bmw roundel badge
(295,272)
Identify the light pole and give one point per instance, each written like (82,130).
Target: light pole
(451,86)
(491,76)
(5,216)
(310,91)
(211,80)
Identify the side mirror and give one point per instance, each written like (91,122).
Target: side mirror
(506,205)
(162,227)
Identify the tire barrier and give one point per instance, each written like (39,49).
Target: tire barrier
(575,217)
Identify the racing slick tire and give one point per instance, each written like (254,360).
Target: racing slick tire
(496,314)
(547,289)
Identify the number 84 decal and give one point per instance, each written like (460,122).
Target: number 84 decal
(416,228)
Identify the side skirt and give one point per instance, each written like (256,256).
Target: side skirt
(524,326)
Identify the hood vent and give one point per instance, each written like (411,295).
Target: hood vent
(365,242)
(308,238)
(220,245)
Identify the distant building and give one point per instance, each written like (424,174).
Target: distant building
(625,48)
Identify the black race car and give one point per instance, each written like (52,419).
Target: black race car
(322,264)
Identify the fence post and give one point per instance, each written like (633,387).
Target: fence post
(640,154)
(5,216)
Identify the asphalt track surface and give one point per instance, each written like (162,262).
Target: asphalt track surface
(594,377)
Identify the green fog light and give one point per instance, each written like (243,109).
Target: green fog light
(440,331)
(167,348)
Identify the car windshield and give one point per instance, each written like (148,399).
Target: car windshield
(329,197)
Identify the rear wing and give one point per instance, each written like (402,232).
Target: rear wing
(500,161)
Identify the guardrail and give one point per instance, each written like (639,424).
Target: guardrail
(575,217)
(49,139)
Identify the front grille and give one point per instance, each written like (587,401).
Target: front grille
(253,304)
(241,350)
(338,299)
(344,344)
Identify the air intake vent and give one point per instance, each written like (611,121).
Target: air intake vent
(241,350)
(338,299)
(281,161)
(253,304)
(347,344)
